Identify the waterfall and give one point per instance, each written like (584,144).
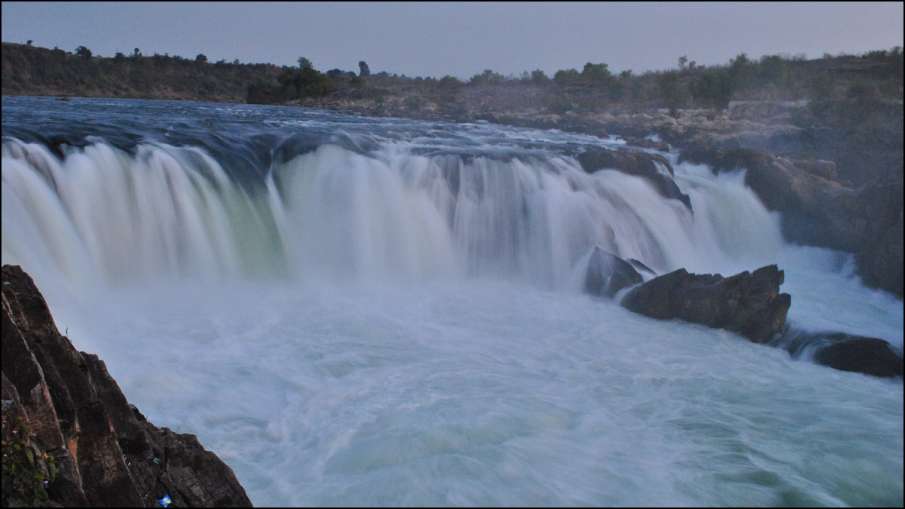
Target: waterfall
(161,211)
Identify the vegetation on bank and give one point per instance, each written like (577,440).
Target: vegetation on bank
(29,70)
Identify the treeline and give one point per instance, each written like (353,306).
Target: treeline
(874,75)
(40,71)
(29,70)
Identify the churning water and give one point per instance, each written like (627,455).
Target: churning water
(383,311)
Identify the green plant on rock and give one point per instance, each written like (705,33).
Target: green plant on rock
(26,469)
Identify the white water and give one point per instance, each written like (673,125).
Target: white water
(356,330)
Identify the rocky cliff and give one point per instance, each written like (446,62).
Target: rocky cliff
(71,438)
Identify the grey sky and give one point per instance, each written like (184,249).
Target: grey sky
(422,39)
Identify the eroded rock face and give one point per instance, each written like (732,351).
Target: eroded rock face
(747,303)
(819,210)
(104,452)
(607,274)
(880,255)
(848,352)
(652,167)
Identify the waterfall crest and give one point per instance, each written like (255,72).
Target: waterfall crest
(160,211)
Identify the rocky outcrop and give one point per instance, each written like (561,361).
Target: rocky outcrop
(88,445)
(847,352)
(607,274)
(880,254)
(747,303)
(817,210)
(652,167)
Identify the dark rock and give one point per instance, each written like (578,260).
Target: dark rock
(641,267)
(607,274)
(652,167)
(880,255)
(747,303)
(848,352)
(103,449)
(871,356)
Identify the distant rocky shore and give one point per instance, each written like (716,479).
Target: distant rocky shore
(70,437)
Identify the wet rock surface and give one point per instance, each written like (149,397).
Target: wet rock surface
(92,446)
(607,274)
(847,352)
(747,303)
(652,167)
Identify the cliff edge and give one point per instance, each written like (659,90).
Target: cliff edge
(70,437)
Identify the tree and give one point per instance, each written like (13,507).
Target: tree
(670,92)
(538,76)
(566,76)
(201,58)
(740,71)
(449,82)
(772,69)
(712,88)
(82,51)
(119,56)
(304,63)
(486,77)
(29,42)
(363,69)
(683,61)
(136,53)
(596,72)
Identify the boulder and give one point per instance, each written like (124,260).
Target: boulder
(652,167)
(747,303)
(848,352)
(607,274)
(90,446)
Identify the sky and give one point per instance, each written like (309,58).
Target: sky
(461,39)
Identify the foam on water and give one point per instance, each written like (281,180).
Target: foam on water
(485,393)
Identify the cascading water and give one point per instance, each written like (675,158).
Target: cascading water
(173,211)
(380,311)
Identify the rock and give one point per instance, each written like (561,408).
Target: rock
(805,199)
(647,143)
(848,352)
(880,255)
(871,356)
(607,274)
(641,267)
(819,167)
(747,303)
(653,167)
(823,212)
(103,451)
